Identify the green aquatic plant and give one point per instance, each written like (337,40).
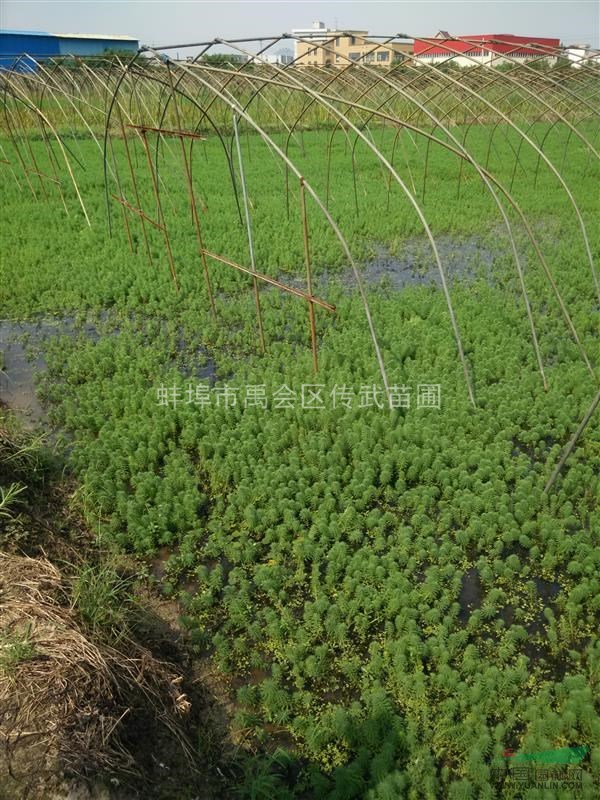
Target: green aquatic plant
(363,562)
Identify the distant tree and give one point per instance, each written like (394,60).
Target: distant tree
(562,61)
(542,64)
(225,60)
(105,59)
(449,65)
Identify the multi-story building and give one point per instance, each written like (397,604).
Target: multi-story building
(325,47)
(487,48)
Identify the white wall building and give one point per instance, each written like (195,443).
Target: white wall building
(580,54)
(318,31)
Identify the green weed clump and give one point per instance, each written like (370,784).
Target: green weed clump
(15,647)
(103,600)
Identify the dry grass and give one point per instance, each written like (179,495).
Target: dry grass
(65,701)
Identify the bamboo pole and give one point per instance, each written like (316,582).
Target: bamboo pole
(311,309)
(261,334)
(574,439)
(194,209)
(160,211)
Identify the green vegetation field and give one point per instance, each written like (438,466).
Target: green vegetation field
(396,599)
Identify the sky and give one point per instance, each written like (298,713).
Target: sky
(165,22)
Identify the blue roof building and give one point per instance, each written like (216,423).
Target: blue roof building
(18,49)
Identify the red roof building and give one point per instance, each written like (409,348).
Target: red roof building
(484,48)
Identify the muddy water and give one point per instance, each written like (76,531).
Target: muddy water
(413,265)
(471,594)
(16,378)
(21,348)
(22,361)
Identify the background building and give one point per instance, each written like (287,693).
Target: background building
(581,54)
(281,57)
(487,48)
(16,45)
(327,47)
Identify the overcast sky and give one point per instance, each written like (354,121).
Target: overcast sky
(158,22)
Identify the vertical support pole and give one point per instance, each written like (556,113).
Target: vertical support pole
(123,209)
(311,308)
(52,163)
(389,181)
(36,168)
(161,217)
(287,191)
(461,166)
(13,139)
(135,189)
(574,439)
(193,206)
(196,220)
(328,173)
(249,228)
(5,160)
(425,170)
